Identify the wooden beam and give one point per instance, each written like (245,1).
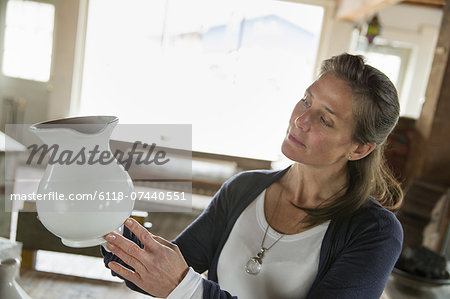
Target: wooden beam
(430,156)
(427,3)
(352,10)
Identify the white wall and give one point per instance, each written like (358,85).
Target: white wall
(65,65)
(336,36)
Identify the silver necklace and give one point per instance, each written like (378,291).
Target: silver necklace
(254,264)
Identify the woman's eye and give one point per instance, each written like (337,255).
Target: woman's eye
(325,122)
(305,102)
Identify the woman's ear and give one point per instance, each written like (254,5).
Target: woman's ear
(361,150)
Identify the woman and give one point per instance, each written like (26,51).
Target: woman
(322,228)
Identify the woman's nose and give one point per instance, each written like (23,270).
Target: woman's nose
(302,121)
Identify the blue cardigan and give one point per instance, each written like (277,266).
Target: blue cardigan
(356,257)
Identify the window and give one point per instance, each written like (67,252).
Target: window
(28,40)
(391,58)
(233,69)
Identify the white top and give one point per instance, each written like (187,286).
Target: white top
(288,268)
(190,287)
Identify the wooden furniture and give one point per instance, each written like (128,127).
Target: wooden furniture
(425,216)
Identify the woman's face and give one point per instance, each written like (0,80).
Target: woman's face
(321,126)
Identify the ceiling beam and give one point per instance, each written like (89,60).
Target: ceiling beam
(352,10)
(429,3)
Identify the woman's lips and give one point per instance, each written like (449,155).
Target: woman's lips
(294,140)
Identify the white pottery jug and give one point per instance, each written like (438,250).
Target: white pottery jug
(9,288)
(106,188)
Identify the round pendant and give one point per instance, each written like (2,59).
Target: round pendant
(253,266)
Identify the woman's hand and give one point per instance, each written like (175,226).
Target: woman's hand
(158,268)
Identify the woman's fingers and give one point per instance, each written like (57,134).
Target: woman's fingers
(130,255)
(142,233)
(128,251)
(165,242)
(158,268)
(162,241)
(125,272)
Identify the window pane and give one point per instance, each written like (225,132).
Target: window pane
(388,64)
(233,69)
(390,57)
(28,40)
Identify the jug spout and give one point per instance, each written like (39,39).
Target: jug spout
(76,132)
(77,140)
